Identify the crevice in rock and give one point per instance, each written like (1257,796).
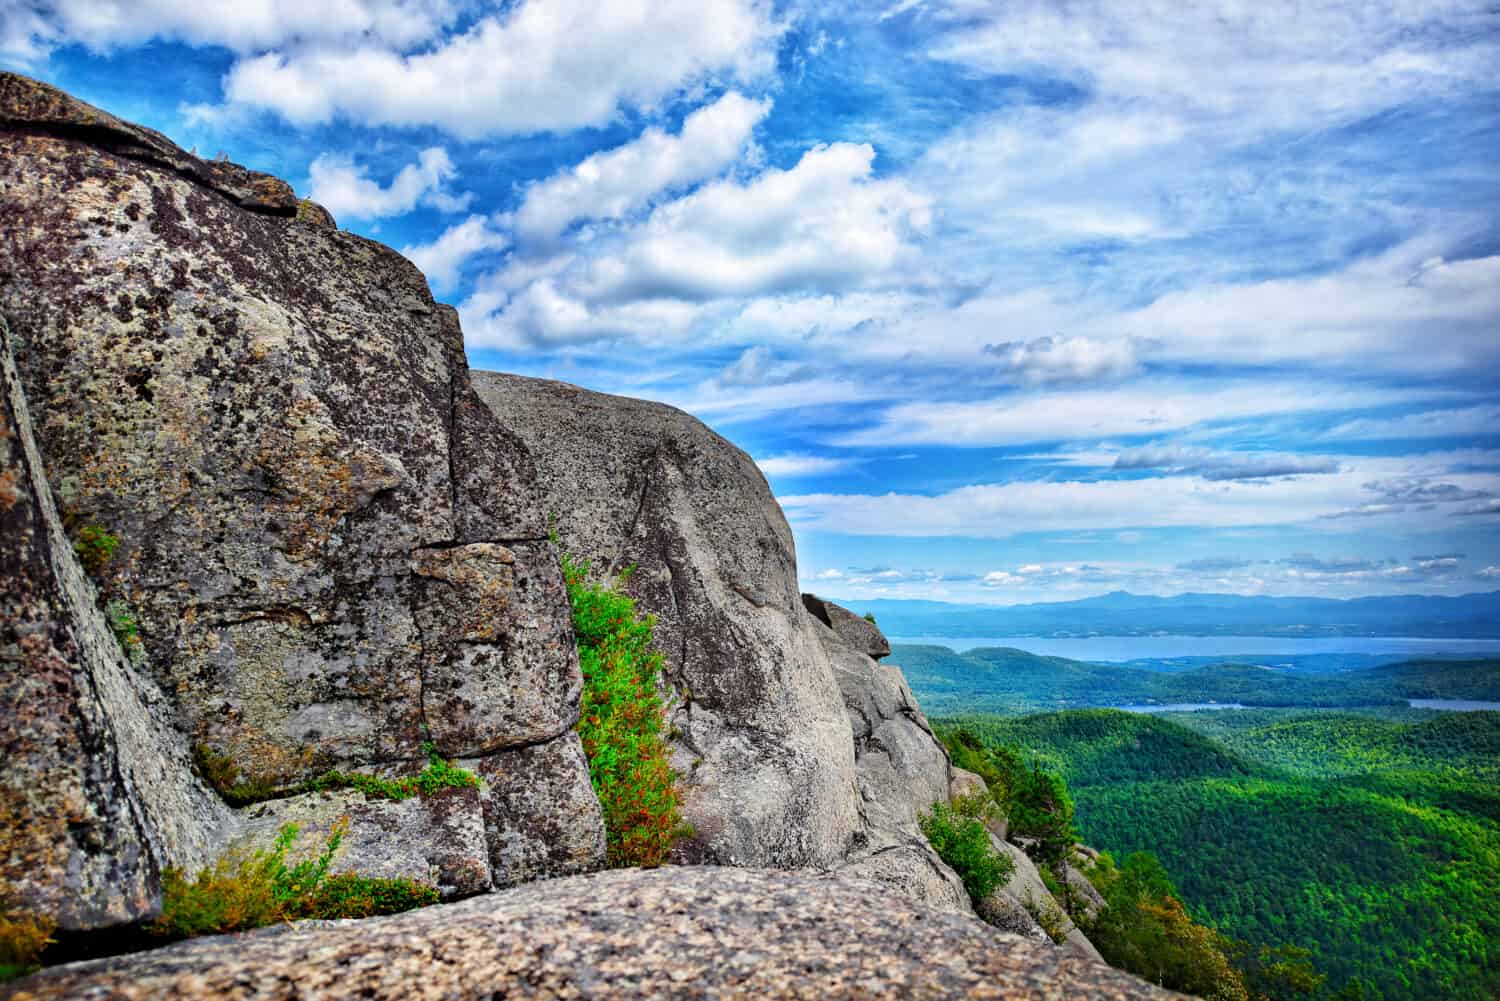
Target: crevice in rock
(647,469)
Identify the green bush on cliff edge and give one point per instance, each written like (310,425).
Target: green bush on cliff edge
(621,720)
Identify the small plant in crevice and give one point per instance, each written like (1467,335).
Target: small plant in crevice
(251,889)
(622,720)
(220,771)
(870,618)
(958,834)
(1047,915)
(95,546)
(127,631)
(440,773)
(23,936)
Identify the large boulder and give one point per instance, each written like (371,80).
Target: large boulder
(761,737)
(859,632)
(666,933)
(334,551)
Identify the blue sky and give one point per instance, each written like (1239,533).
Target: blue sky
(1011,302)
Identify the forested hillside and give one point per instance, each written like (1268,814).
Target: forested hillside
(1007,681)
(1373,842)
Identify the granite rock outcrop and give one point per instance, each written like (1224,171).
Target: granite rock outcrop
(667,933)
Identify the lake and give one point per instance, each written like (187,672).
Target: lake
(1179,707)
(1120,648)
(1454,705)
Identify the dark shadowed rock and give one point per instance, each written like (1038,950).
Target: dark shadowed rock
(333,549)
(855,630)
(665,933)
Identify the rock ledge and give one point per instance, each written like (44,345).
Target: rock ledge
(676,932)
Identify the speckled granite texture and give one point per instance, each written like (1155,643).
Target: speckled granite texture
(668,933)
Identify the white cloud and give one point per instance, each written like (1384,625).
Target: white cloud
(536,66)
(443,259)
(1397,311)
(1223,465)
(758,366)
(243,26)
(1065,359)
(345,189)
(822,226)
(610,184)
(1271,60)
(800,465)
(1489,573)
(1426,424)
(1005,509)
(1141,408)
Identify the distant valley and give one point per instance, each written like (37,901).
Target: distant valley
(1124,614)
(1008,681)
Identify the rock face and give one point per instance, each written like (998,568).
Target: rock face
(764,747)
(333,549)
(797,749)
(94,793)
(666,933)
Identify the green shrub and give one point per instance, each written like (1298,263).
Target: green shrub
(959,837)
(95,547)
(220,771)
(621,721)
(252,889)
(870,618)
(23,936)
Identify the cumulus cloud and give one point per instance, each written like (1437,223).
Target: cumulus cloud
(346,189)
(443,259)
(610,184)
(797,464)
(1065,359)
(822,226)
(1489,573)
(243,26)
(1219,465)
(532,67)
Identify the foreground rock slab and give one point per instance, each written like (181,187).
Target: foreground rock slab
(676,933)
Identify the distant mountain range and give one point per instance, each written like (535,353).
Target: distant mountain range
(1120,613)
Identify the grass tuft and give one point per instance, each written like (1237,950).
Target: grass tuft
(252,889)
